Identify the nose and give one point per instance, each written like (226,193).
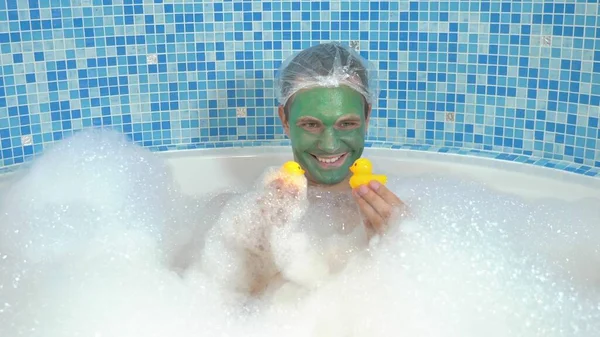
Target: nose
(328,141)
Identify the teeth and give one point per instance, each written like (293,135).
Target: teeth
(329,160)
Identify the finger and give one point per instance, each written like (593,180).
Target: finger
(276,183)
(277,188)
(294,191)
(373,219)
(370,229)
(382,207)
(383,192)
(290,188)
(287,189)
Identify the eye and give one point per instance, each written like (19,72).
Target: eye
(349,124)
(310,125)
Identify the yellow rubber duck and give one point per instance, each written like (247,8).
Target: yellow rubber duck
(292,173)
(292,168)
(362,170)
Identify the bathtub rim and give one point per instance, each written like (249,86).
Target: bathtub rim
(401,154)
(411,155)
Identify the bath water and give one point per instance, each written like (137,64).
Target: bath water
(96,240)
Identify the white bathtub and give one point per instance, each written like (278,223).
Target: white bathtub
(202,171)
(207,170)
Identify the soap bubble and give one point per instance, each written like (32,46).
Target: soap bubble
(90,179)
(97,240)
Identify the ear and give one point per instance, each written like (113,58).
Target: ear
(284,122)
(368,116)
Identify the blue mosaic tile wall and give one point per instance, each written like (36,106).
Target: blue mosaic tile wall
(517,77)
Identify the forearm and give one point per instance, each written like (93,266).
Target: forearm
(237,250)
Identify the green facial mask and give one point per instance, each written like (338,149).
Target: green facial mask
(326,123)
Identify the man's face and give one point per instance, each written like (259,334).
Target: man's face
(327,130)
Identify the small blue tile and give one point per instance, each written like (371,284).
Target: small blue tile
(442,72)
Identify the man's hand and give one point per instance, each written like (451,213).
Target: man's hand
(280,188)
(279,200)
(378,206)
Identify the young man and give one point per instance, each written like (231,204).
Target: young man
(325,103)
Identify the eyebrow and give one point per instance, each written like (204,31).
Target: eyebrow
(351,118)
(308,119)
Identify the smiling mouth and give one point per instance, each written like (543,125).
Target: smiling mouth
(331,161)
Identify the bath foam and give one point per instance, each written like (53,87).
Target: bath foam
(465,265)
(561,233)
(91,199)
(471,262)
(95,177)
(239,249)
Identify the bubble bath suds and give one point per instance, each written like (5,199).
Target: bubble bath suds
(95,240)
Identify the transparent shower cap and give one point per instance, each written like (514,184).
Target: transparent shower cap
(326,65)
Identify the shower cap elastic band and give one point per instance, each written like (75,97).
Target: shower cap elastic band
(326,65)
